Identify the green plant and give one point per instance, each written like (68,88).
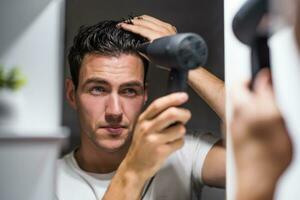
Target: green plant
(12,79)
(2,77)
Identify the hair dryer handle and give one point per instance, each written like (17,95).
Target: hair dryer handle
(177,81)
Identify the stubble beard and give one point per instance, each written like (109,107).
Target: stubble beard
(123,147)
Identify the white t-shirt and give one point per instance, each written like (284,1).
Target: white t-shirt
(179,177)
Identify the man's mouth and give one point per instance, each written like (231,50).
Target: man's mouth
(114,130)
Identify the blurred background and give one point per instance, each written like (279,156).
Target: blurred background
(285,62)
(202,17)
(31,61)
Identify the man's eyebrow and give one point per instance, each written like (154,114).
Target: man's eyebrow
(95,80)
(133,84)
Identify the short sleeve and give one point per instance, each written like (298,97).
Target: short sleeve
(196,148)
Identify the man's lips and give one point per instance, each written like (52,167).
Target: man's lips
(114,130)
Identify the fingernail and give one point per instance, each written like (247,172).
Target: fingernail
(183,95)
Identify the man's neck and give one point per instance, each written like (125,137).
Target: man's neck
(91,158)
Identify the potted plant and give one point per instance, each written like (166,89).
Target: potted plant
(11,81)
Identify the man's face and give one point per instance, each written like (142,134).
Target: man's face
(109,98)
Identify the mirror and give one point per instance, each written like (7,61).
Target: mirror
(202,17)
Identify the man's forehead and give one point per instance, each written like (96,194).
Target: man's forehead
(110,82)
(120,56)
(94,58)
(124,68)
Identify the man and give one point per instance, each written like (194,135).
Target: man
(126,154)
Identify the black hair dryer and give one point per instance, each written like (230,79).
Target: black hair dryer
(179,53)
(249,27)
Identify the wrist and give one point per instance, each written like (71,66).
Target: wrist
(123,181)
(131,176)
(195,74)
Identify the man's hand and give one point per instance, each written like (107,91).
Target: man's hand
(149,27)
(159,132)
(262,146)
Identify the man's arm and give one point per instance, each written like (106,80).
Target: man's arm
(214,167)
(210,88)
(262,146)
(126,184)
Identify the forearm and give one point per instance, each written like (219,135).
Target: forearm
(210,88)
(253,185)
(255,192)
(214,167)
(248,195)
(125,185)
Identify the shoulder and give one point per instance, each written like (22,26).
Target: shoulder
(179,169)
(195,149)
(191,157)
(65,172)
(67,178)
(196,142)
(63,166)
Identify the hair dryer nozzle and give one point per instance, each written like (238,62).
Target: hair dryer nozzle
(180,51)
(246,22)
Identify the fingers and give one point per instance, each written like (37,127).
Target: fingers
(156,22)
(142,31)
(241,94)
(171,147)
(174,132)
(148,27)
(148,24)
(263,83)
(168,135)
(161,104)
(171,116)
(176,144)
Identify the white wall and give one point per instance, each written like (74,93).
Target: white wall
(286,77)
(237,68)
(32,38)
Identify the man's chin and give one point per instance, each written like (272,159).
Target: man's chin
(112,146)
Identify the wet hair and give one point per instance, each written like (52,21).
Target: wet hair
(103,38)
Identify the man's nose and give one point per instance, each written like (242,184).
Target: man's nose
(114,113)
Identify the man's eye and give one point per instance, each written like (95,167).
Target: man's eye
(97,90)
(129,92)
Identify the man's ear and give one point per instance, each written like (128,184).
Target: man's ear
(70,93)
